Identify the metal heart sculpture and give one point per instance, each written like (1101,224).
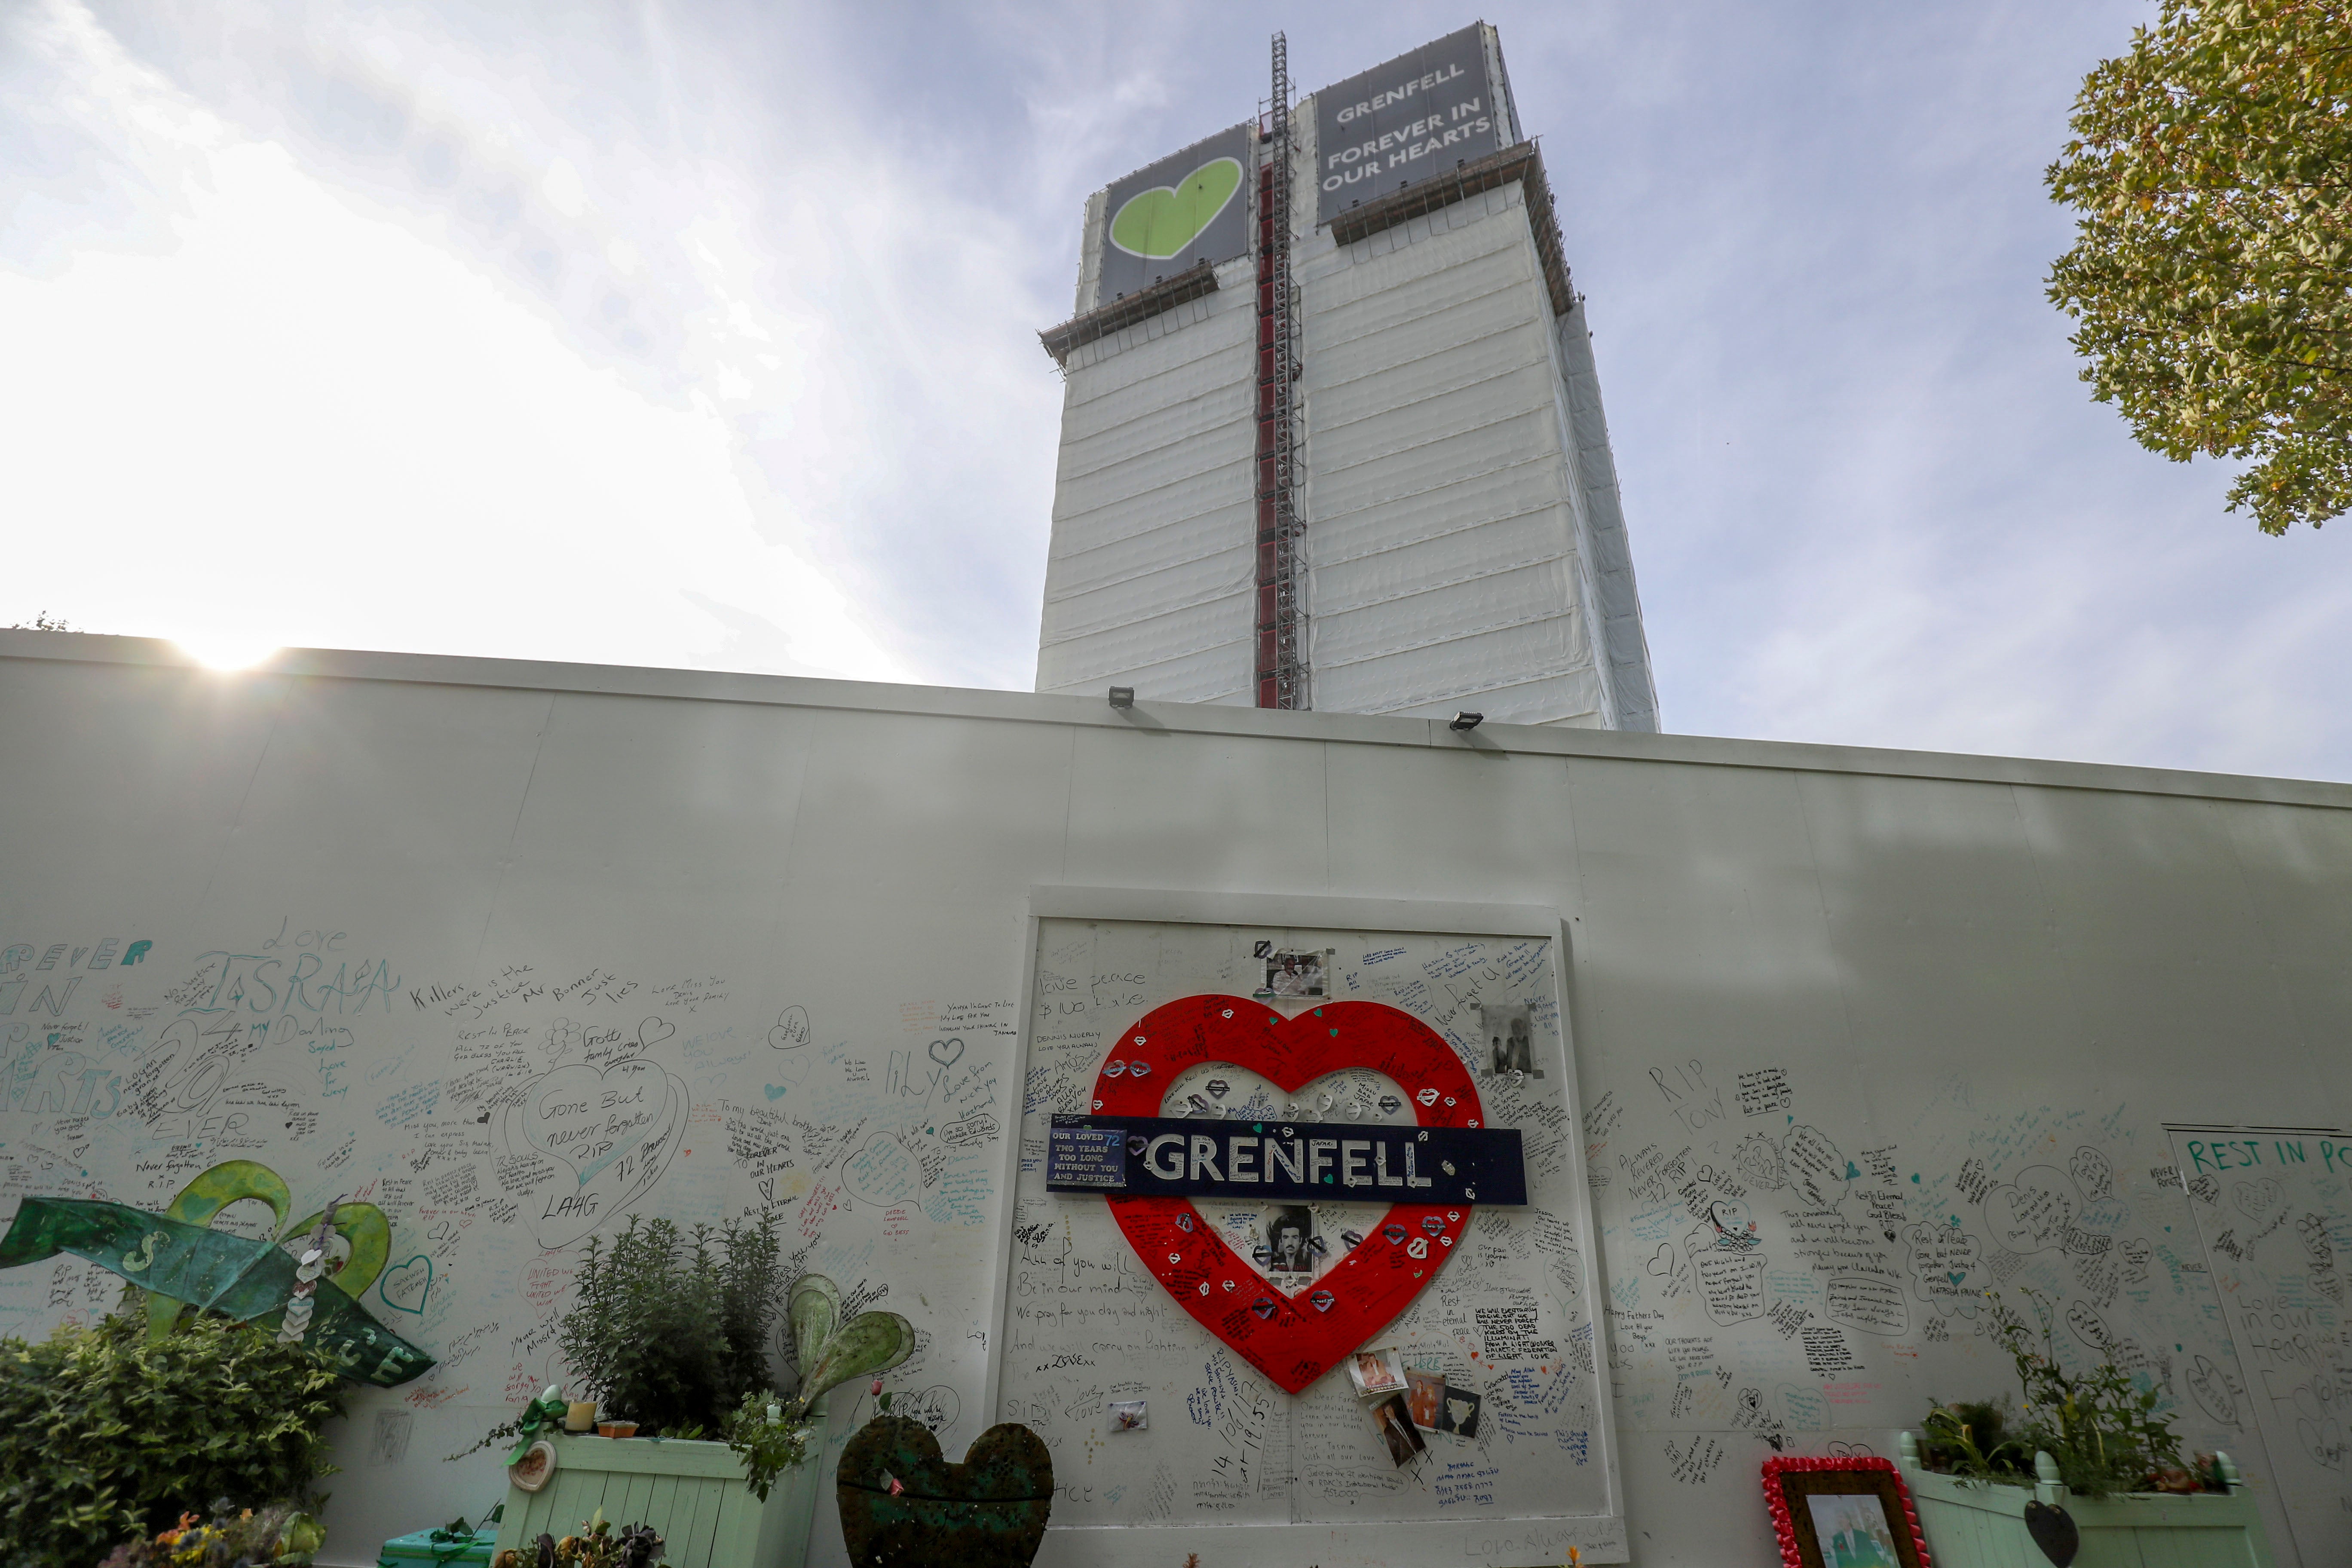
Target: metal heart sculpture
(1292,1340)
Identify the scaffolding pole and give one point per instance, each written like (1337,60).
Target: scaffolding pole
(1281,607)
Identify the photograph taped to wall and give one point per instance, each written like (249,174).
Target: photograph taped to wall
(1267,1458)
(1510,1039)
(1290,1241)
(1295,976)
(1376,1372)
(1423,1391)
(1457,1412)
(1394,1423)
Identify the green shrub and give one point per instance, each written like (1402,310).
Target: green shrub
(2100,1427)
(103,1436)
(670,1330)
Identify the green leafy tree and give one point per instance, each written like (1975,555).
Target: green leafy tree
(2211,270)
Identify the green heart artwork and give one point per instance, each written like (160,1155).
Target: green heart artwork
(904,1506)
(1159,223)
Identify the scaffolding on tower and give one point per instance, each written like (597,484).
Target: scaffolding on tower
(1281,609)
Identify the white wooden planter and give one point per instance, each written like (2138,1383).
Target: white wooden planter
(692,1493)
(1973,1525)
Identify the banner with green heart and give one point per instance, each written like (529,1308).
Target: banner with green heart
(1187,208)
(1160,222)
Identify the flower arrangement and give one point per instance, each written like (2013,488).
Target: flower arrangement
(283,1534)
(594,1546)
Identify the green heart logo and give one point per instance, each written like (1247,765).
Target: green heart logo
(901,1502)
(1159,223)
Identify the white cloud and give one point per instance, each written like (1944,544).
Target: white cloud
(298,420)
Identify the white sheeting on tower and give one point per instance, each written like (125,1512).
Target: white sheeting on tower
(1149,583)
(1446,536)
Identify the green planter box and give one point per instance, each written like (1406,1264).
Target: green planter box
(421,1551)
(693,1494)
(1973,1526)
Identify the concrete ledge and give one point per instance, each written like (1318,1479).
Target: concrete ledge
(1175,717)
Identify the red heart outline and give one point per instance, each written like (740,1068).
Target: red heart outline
(1293,1344)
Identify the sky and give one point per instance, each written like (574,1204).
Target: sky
(703,334)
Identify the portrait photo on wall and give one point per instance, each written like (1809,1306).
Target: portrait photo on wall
(1378,1371)
(1290,1242)
(1510,1039)
(1422,1392)
(1396,1429)
(1296,977)
(1841,1513)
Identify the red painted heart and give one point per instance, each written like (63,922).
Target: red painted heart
(1292,1340)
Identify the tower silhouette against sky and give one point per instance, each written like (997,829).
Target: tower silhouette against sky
(1331,435)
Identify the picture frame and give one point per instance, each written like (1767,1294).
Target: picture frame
(1815,1501)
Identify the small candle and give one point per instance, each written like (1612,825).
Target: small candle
(581,1416)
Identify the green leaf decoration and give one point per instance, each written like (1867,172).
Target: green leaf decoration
(812,1310)
(868,1343)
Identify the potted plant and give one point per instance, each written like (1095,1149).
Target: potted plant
(2089,1456)
(669,1334)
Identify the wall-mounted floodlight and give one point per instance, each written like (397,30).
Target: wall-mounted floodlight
(1123,698)
(1465,721)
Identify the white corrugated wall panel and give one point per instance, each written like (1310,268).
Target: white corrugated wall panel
(1418,266)
(1162,476)
(1095,402)
(1420,472)
(1475,411)
(1483,351)
(1211,412)
(1528,485)
(1442,540)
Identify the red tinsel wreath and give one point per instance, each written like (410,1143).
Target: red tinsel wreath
(1785,1528)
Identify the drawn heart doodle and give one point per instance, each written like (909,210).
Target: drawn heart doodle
(588,1140)
(1362,1292)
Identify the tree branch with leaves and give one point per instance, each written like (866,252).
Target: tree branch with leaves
(2211,270)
